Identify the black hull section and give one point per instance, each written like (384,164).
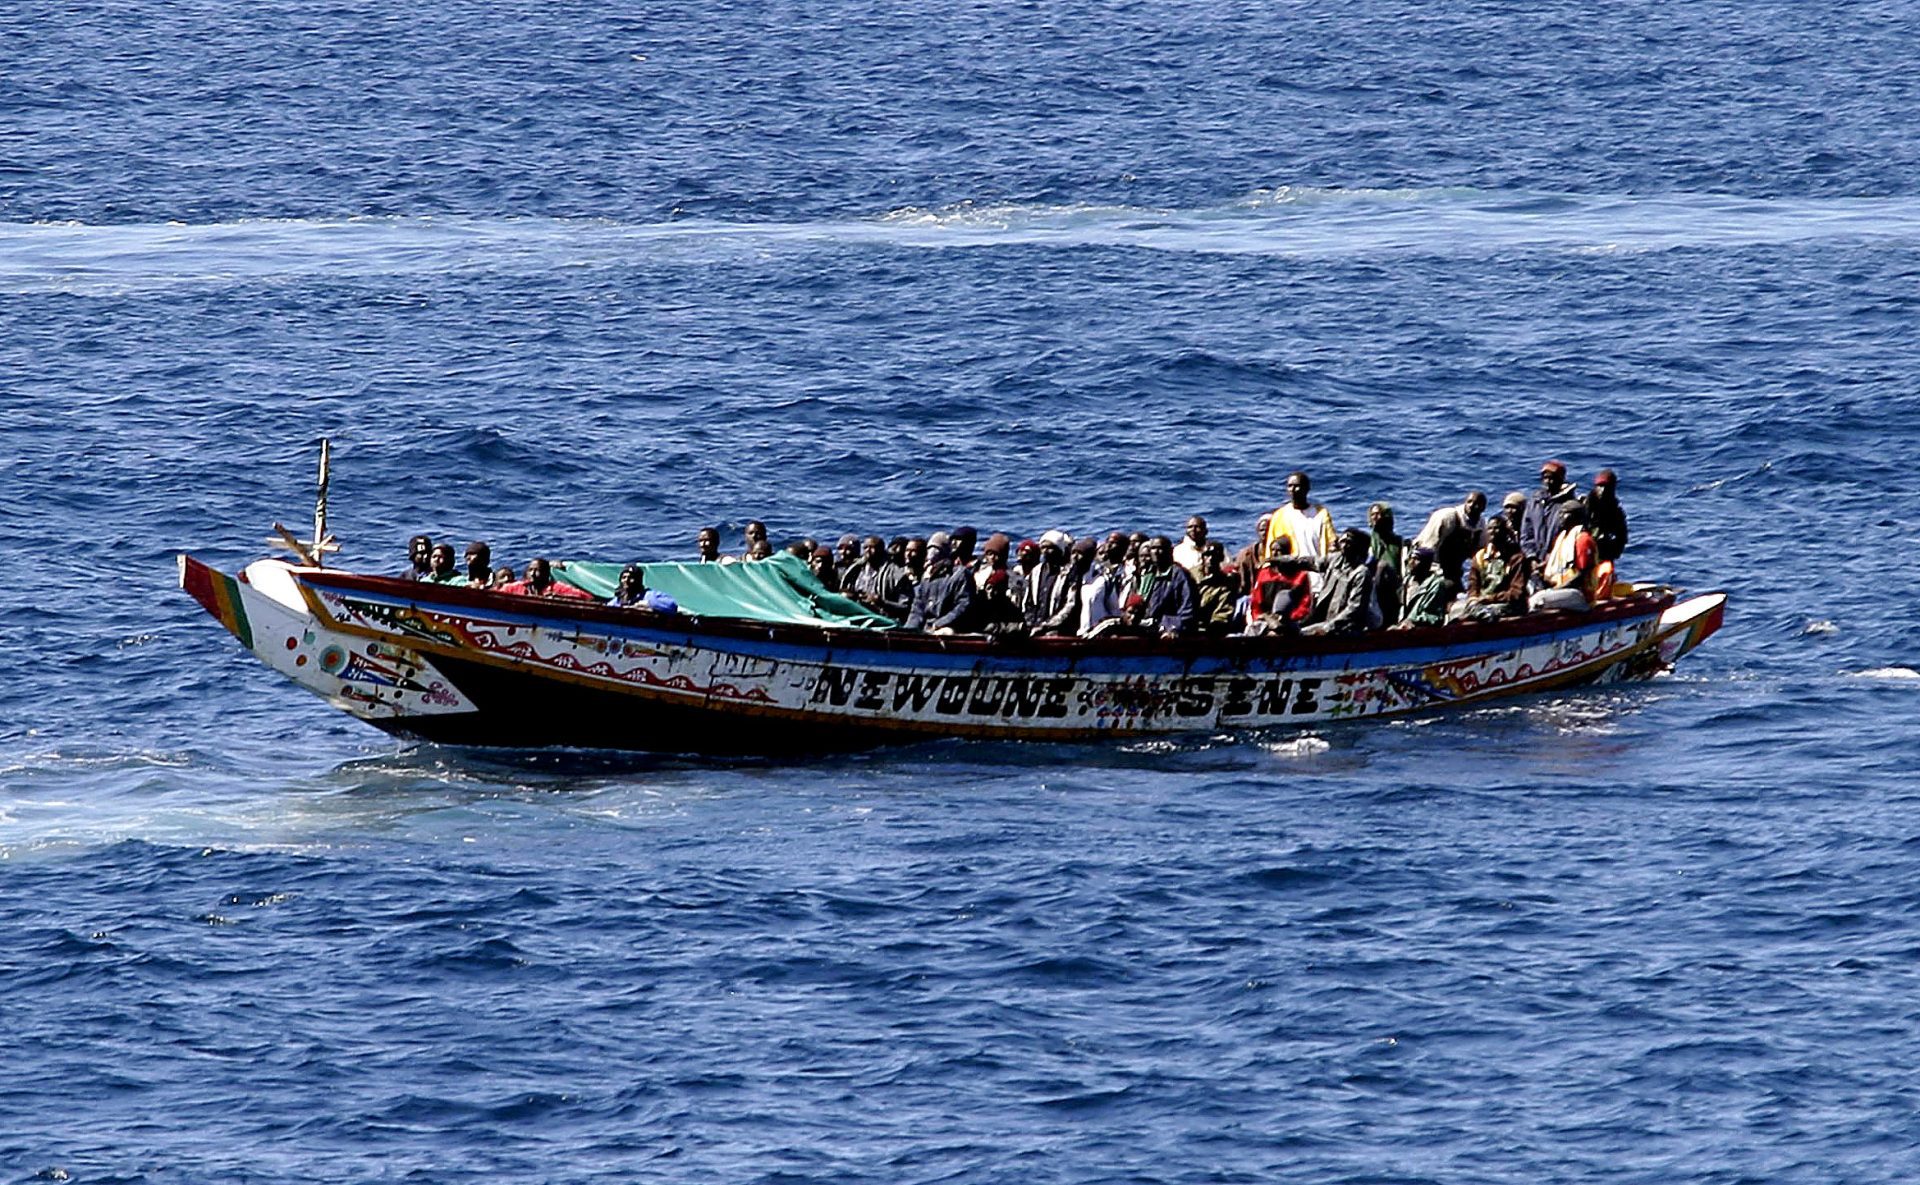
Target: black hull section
(524,711)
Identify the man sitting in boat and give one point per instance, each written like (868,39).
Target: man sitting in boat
(1428,590)
(1498,579)
(479,564)
(1282,596)
(440,566)
(1163,600)
(633,593)
(1216,591)
(539,582)
(880,584)
(707,544)
(419,555)
(1062,608)
(943,602)
(1104,592)
(1573,576)
(1344,602)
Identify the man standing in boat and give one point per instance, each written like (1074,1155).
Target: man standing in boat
(1307,526)
(1540,522)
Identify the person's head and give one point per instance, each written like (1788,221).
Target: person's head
(440,559)
(1197,530)
(756,530)
(1282,548)
(995,551)
(1380,516)
(539,574)
(897,549)
(996,586)
(1136,543)
(1354,544)
(873,549)
(914,553)
(708,543)
(501,575)
(1159,552)
(1115,548)
(939,561)
(1419,562)
(1513,506)
(804,548)
(1475,504)
(1553,475)
(961,540)
(633,582)
(1299,485)
(1501,536)
(821,561)
(1260,526)
(759,549)
(845,550)
(1213,557)
(479,560)
(420,551)
(1081,555)
(1027,555)
(1054,546)
(1605,483)
(1573,515)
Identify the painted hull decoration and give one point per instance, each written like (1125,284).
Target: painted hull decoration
(467,667)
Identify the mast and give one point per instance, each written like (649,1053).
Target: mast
(320,504)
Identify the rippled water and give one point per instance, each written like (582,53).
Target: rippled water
(581,280)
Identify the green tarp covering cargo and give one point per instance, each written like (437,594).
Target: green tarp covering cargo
(780,589)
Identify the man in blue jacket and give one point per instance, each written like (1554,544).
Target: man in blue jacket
(943,600)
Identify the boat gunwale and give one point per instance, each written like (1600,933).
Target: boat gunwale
(1468,634)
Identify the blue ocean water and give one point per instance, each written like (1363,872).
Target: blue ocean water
(580,279)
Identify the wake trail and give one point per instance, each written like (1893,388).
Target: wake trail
(1286,222)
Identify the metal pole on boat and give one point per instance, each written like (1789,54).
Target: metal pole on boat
(320,504)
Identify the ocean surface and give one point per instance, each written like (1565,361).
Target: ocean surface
(580,279)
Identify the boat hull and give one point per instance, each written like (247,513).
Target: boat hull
(465,667)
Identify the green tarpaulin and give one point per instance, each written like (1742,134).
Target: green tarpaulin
(780,589)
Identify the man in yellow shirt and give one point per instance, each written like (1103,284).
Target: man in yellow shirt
(1303,523)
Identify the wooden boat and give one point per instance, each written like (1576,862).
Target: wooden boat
(464,666)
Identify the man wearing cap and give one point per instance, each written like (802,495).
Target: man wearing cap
(1512,508)
(1606,518)
(1192,545)
(1540,522)
(1452,533)
(993,558)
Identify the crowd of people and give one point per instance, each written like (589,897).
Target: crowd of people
(1554,548)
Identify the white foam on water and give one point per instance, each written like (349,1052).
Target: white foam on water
(1283,221)
(1820,627)
(1306,746)
(1889,674)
